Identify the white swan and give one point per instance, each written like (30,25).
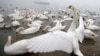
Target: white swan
(15,23)
(27,19)
(1,18)
(16,12)
(33,23)
(90,21)
(41,16)
(2,25)
(57,27)
(79,32)
(16,48)
(30,30)
(89,34)
(91,26)
(52,41)
(16,15)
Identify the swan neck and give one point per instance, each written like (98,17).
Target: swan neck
(74,22)
(58,23)
(8,41)
(81,23)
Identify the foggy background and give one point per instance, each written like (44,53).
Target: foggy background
(91,5)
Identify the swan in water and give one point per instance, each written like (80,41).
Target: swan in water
(2,25)
(47,11)
(90,26)
(27,19)
(51,41)
(89,34)
(30,30)
(16,15)
(15,23)
(5,25)
(16,12)
(41,16)
(90,21)
(1,18)
(57,27)
(33,23)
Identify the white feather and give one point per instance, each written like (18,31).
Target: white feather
(49,42)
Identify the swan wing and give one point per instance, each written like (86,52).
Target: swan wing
(31,30)
(49,42)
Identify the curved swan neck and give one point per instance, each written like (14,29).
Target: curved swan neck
(8,41)
(74,22)
(58,23)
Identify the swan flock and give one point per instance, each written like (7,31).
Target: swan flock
(54,40)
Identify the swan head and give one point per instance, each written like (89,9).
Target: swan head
(90,34)
(46,28)
(86,24)
(71,7)
(19,30)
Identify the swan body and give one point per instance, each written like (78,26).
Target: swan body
(57,27)
(89,34)
(33,23)
(1,18)
(90,21)
(2,25)
(41,16)
(7,25)
(17,17)
(43,43)
(16,13)
(92,27)
(16,48)
(15,23)
(27,20)
(30,30)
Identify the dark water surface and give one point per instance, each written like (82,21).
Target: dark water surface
(90,47)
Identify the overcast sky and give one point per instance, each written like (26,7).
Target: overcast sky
(92,5)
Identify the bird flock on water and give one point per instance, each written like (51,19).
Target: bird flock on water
(55,37)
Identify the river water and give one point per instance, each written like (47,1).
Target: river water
(89,47)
